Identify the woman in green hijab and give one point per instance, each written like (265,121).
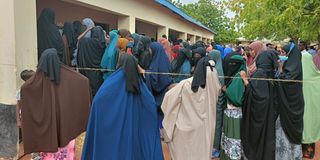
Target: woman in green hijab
(235,88)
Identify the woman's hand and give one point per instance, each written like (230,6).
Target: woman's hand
(244,77)
(141,70)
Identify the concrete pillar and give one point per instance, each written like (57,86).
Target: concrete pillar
(127,22)
(18,43)
(26,46)
(198,38)
(162,31)
(7,81)
(7,53)
(183,36)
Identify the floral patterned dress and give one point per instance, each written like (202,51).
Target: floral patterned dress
(65,153)
(285,150)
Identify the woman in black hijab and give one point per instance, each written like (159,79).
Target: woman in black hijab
(78,28)
(289,124)
(48,33)
(197,54)
(70,42)
(90,52)
(228,69)
(144,52)
(258,123)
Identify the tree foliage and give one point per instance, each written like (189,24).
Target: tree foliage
(211,14)
(277,19)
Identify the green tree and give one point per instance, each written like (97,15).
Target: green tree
(275,19)
(211,14)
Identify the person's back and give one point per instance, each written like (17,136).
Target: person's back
(123,121)
(189,115)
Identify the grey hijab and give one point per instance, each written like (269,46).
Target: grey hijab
(89,24)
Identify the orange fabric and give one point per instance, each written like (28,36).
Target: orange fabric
(122,44)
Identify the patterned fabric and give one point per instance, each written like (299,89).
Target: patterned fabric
(231,142)
(233,113)
(66,153)
(284,149)
(232,147)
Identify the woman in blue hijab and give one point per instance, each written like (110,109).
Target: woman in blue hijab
(226,51)
(110,56)
(158,83)
(123,127)
(136,39)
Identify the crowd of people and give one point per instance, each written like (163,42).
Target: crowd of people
(129,93)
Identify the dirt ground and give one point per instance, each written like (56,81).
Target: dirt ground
(165,152)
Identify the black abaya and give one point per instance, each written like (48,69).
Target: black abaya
(258,124)
(90,52)
(48,34)
(291,102)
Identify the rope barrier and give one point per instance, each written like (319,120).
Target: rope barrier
(189,75)
(178,74)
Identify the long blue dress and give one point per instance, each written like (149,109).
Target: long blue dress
(122,126)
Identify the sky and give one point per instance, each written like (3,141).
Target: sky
(188,1)
(229,13)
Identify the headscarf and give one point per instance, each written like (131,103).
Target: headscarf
(136,39)
(48,33)
(175,51)
(166,45)
(258,47)
(158,84)
(89,24)
(199,50)
(226,51)
(124,33)
(186,45)
(129,65)
(110,57)
(316,60)
(70,34)
(216,56)
(232,66)
(122,44)
(78,28)
(184,54)
(200,74)
(292,69)
(291,102)
(144,56)
(49,64)
(90,52)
